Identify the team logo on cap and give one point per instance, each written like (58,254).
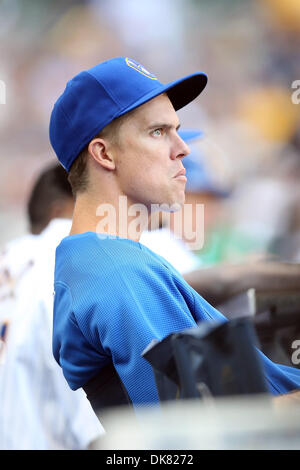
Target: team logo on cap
(139,68)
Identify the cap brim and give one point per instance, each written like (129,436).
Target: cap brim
(180,92)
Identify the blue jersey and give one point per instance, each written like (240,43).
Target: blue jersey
(113,296)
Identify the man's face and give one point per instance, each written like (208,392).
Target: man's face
(148,155)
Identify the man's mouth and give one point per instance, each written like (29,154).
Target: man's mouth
(181,175)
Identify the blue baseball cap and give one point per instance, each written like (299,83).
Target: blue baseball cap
(95,97)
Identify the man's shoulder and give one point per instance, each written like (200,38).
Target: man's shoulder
(91,244)
(92,254)
(102,247)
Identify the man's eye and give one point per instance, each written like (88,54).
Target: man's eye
(157,132)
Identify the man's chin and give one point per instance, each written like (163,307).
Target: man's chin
(167,207)
(170,204)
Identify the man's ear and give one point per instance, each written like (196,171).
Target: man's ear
(101,152)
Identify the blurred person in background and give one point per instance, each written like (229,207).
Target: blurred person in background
(286,244)
(208,270)
(264,204)
(37,409)
(50,198)
(203,189)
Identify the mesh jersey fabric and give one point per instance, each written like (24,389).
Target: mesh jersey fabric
(113,296)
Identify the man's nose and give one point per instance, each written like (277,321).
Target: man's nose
(181,149)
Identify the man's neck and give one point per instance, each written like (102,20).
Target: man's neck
(111,218)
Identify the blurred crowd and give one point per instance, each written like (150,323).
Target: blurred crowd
(244,167)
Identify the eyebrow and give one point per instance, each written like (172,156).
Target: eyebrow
(163,125)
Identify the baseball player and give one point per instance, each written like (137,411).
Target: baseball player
(37,408)
(114,129)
